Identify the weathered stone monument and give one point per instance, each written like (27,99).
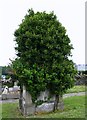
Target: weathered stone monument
(27,107)
(10,93)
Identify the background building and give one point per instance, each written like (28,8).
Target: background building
(81,67)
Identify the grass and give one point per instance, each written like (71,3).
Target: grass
(10,110)
(74,107)
(76,89)
(0,110)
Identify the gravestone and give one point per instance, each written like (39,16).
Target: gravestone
(26,105)
(10,93)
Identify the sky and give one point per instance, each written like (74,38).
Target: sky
(71,13)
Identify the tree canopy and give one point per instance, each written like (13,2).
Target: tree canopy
(43,48)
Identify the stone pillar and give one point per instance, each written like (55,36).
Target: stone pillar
(28,108)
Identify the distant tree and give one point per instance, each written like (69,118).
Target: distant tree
(6,70)
(43,48)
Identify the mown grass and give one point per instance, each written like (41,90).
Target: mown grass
(10,110)
(76,89)
(74,107)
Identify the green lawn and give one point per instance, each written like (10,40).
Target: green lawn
(74,108)
(75,89)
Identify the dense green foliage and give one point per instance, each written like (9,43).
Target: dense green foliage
(43,48)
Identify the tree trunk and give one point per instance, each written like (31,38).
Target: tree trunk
(56,102)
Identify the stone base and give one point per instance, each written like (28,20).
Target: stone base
(4,96)
(9,96)
(28,109)
(45,107)
(48,107)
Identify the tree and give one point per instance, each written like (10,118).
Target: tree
(6,70)
(43,48)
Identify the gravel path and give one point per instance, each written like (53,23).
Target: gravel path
(64,96)
(9,101)
(73,94)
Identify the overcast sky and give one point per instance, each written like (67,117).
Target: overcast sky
(71,13)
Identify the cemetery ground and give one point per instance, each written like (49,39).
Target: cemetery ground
(74,107)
